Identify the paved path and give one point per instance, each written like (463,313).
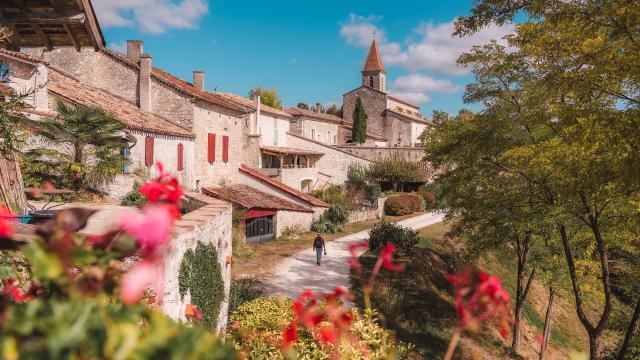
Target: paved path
(300,271)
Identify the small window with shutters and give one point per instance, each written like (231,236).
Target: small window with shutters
(148,151)
(225,149)
(211,148)
(180,157)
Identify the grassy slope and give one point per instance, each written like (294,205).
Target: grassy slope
(418,305)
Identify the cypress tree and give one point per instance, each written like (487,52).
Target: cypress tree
(359,132)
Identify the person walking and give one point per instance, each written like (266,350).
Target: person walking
(318,246)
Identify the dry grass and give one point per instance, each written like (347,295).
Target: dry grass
(265,256)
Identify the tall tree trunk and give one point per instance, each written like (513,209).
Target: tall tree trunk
(11,182)
(522,288)
(631,330)
(547,324)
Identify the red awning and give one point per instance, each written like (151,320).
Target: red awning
(254,213)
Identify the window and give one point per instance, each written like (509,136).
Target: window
(313,134)
(225,149)
(125,152)
(275,131)
(180,157)
(211,148)
(371,81)
(5,72)
(335,139)
(328,137)
(148,151)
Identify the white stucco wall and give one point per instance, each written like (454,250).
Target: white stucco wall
(273,130)
(416,131)
(166,151)
(320,129)
(294,177)
(30,79)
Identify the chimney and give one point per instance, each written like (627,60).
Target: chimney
(134,50)
(198,79)
(254,120)
(318,108)
(144,87)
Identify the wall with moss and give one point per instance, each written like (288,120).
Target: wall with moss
(208,225)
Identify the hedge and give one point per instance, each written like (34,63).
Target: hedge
(403,204)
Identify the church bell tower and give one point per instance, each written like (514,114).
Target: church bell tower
(373,73)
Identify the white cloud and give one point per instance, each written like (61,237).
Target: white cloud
(358,30)
(435,50)
(151,16)
(414,97)
(418,83)
(120,47)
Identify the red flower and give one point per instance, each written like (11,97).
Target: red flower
(152,190)
(387,258)
(191,312)
(163,188)
(328,335)
(6,230)
(290,334)
(481,300)
(15,294)
(354,261)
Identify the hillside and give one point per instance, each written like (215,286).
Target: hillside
(418,305)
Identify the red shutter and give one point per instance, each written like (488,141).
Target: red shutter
(211,148)
(180,157)
(225,148)
(148,151)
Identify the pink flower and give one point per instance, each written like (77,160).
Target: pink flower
(143,274)
(151,227)
(6,230)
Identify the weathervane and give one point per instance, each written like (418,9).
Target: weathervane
(374,33)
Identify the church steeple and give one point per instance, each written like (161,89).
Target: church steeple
(373,73)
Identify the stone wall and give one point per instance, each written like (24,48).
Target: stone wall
(320,129)
(293,219)
(209,224)
(294,177)
(396,127)
(335,161)
(378,153)
(365,214)
(374,102)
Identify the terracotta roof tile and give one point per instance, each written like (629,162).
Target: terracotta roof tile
(283,187)
(250,198)
(249,103)
(295,111)
(21,56)
(7,90)
(129,114)
(374,62)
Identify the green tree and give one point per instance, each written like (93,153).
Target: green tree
(397,171)
(302,105)
(83,147)
(563,108)
(359,132)
(269,97)
(334,110)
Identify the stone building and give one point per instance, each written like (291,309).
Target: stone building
(391,118)
(150,137)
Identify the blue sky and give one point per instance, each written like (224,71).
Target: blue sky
(310,51)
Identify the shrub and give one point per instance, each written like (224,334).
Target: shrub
(357,176)
(200,275)
(263,320)
(337,214)
(404,239)
(134,197)
(242,291)
(372,192)
(324,226)
(388,300)
(403,204)
(430,200)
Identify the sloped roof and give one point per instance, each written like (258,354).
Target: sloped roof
(295,111)
(249,103)
(250,198)
(72,90)
(370,134)
(411,117)
(52,24)
(403,102)
(281,186)
(21,56)
(374,61)
(289,151)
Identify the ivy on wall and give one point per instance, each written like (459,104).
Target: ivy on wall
(200,274)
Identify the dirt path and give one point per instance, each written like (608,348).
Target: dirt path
(299,272)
